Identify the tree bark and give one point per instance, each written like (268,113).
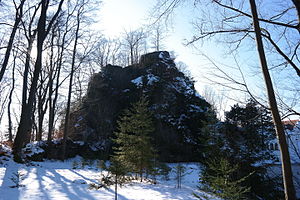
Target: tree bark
(289,188)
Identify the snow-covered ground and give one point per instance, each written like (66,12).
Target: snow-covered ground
(58,180)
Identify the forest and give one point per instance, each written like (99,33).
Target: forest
(128,109)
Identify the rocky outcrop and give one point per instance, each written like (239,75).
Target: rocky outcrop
(179,111)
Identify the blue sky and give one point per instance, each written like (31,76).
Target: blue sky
(119,15)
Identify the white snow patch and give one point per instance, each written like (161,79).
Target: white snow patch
(57,180)
(138,81)
(33,148)
(152,79)
(183,86)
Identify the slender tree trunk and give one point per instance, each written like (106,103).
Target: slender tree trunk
(289,188)
(116,187)
(10,135)
(50,92)
(66,125)
(19,14)
(42,108)
(26,69)
(52,103)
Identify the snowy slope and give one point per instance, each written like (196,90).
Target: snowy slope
(57,180)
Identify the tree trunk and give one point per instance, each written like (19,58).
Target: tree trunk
(289,189)
(116,187)
(52,103)
(26,69)
(66,126)
(10,135)
(19,14)
(25,125)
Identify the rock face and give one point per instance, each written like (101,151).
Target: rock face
(179,111)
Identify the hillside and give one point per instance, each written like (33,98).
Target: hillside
(179,112)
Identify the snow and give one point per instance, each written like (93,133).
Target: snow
(183,86)
(149,77)
(33,148)
(58,180)
(152,79)
(138,81)
(195,108)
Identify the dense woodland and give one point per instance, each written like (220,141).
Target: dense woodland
(126,100)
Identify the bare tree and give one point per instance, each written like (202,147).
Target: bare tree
(289,188)
(233,20)
(79,17)
(60,31)
(134,43)
(18,17)
(157,36)
(25,125)
(10,126)
(218,100)
(106,51)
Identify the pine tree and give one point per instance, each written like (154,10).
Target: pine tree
(219,178)
(246,132)
(119,173)
(133,149)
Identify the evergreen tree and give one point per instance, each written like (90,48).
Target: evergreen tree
(133,149)
(119,174)
(218,178)
(244,138)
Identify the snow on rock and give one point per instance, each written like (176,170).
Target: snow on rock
(4,149)
(150,79)
(33,148)
(138,81)
(183,86)
(195,108)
